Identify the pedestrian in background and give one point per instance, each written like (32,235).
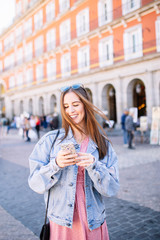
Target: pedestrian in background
(129,126)
(27,126)
(37,127)
(125,133)
(77,181)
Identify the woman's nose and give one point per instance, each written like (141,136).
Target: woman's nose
(71,109)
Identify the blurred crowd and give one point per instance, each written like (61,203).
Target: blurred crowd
(29,126)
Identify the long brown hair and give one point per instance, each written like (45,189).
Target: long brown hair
(92,125)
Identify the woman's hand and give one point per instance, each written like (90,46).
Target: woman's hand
(84,159)
(65,158)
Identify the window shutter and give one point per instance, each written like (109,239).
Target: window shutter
(126,45)
(158,34)
(100,13)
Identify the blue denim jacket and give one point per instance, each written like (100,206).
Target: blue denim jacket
(101,179)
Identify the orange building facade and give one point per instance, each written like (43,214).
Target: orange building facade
(110,46)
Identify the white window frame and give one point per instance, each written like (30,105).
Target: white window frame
(83,59)
(64,5)
(133,49)
(28,51)
(9,42)
(19,8)
(105,10)
(39,46)
(66,65)
(38,20)
(1,66)
(51,39)
(157,25)
(1,51)
(29,75)
(19,79)
(82,22)
(28,27)
(19,56)
(39,72)
(65,31)
(50,11)
(19,34)
(51,69)
(130,5)
(106,51)
(12,82)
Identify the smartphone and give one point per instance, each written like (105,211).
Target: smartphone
(68,146)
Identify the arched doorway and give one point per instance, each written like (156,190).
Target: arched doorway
(21,107)
(13,108)
(30,107)
(109,102)
(90,94)
(53,104)
(136,96)
(41,106)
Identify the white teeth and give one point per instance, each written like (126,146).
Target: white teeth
(73,116)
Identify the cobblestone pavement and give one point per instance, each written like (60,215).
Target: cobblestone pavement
(133,214)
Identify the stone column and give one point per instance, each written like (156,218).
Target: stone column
(149,94)
(119,100)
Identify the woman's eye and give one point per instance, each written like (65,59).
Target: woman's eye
(75,105)
(65,107)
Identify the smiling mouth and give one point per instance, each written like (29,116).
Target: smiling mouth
(73,116)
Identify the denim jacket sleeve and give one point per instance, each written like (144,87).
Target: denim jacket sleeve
(44,172)
(104,173)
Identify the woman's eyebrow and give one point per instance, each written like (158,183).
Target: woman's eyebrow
(72,102)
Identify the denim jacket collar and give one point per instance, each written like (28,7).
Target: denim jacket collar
(92,146)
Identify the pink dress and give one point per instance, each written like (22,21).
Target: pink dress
(80,230)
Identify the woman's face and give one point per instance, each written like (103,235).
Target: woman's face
(74,108)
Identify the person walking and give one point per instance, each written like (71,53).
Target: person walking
(27,126)
(37,127)
(129,126)
(77,181)
(125,133)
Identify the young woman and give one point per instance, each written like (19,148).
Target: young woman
(77,182)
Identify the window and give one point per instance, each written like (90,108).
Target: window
(51,40)
(130,5)
(19,79)
(28,51)
(0,47)
(65,35)
(28,27)
(158,34)
(19,56)
(50,11)
(9,62)
(106,51)
(64,5)
(51,69)
(11,82)
(38,44)
(1,66)
(82,22)
(66,65)
(9,42)
(38,20)
(133,46)
(83,59)
(29,75)
(19,34)
(39,72)
(19,8)
(104,11)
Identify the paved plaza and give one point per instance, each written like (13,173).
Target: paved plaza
(133,214)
